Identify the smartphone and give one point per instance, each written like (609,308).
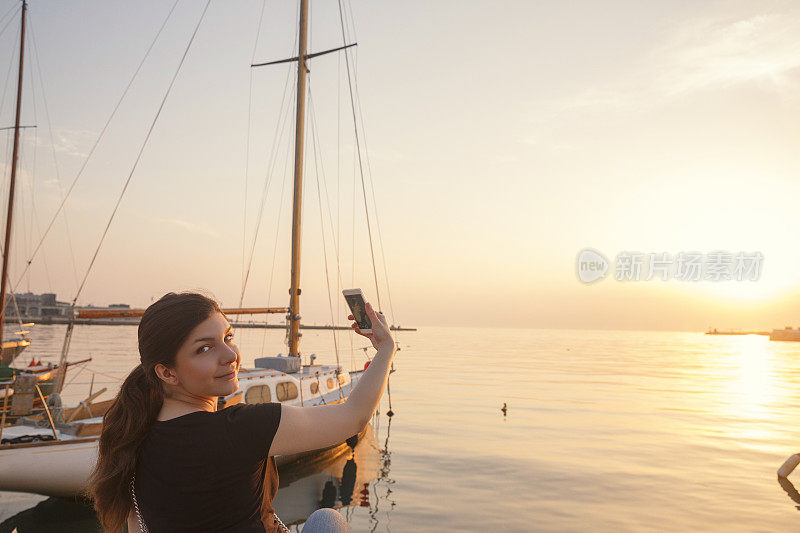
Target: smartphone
(355,300)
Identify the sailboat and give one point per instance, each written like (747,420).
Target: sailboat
(13,346)
(22,390)
(57,459)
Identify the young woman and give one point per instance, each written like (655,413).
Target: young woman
(169,461)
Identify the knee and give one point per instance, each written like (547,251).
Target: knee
(326,520)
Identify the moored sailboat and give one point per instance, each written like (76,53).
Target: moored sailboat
(57,459)
(38,381)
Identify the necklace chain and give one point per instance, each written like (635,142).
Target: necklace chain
(142,527)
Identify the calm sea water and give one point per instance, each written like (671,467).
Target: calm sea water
(605,431)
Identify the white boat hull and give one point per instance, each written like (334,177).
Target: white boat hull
(49,468)
(62,468)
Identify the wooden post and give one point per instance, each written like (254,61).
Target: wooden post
(47,410)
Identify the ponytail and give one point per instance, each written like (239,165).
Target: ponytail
(164,327)
(125,427)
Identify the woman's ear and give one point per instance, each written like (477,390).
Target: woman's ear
(166,374)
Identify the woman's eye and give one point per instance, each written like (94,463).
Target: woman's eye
(229,337)
(203,348)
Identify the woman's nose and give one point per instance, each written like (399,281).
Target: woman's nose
(230,355)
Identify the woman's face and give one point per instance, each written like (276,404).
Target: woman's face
(208,362)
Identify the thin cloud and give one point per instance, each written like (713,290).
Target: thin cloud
(762,48)
(72,142)
(702,55)
(189,226)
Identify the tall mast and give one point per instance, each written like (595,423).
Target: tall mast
(294,291)
(7,245)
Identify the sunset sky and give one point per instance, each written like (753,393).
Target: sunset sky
(502,139)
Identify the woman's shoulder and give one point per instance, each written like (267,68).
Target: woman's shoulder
(255,423)
(249,415)
(244,410)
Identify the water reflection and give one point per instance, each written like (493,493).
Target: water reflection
(752,388)
(383,483)
(788,487)
(743,373)
(345,479)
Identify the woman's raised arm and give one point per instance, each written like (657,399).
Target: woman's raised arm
(310,428)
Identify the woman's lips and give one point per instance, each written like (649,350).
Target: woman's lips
(230,375)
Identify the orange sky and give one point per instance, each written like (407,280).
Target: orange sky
(501,141)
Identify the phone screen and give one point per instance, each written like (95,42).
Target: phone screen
(357,306)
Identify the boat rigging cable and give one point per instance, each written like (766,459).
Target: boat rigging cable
(366,157)
(52,145)
(360,167)
(141,150)
(277,233)
(247,146)
(94,146)
(314,142)
(71,323)
(15,8)
(279,129)
(3,102)
(361,171)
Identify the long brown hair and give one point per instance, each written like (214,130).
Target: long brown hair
(164,327)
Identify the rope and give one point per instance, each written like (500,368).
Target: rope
(13,296)
(247,145)
(314,141)
(280,210)
(271,161)
(360,166)
(15,8)
(275,244)
(315,136)
(8,78)
(31,181)
(363,190)
(96,143)
(283,119)
(80,371)
(16,307)
(361,172)
(369,175)
(53,147)
(20,226)
(141,150)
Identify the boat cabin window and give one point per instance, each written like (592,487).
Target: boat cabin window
(314,387)
(286,390)
(330,384)
(258,394)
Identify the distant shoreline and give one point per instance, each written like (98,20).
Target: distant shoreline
(135,322)
(736,332)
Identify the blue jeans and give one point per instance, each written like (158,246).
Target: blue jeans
(326,520)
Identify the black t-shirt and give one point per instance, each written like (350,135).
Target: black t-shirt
(205,471)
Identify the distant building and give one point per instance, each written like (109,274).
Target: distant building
(41,307)
(35,306)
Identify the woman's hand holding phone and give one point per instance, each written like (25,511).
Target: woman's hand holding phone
(381,337)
